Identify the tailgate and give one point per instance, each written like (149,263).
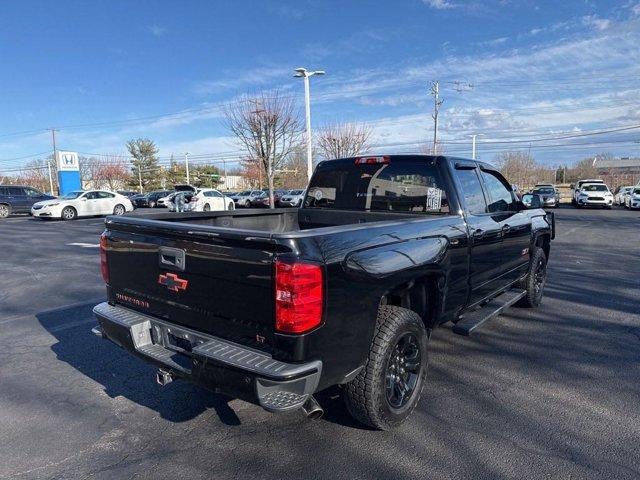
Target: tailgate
(220,286)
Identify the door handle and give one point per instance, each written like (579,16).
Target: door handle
(506,228)
(478,233)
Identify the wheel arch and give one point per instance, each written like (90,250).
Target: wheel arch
(421,295)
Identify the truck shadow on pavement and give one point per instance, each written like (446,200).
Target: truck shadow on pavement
(124,375)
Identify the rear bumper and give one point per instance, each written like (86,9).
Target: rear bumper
(212,362)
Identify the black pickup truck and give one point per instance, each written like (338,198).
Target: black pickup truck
(271,306)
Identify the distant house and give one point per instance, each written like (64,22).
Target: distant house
(617,172)
(616,166)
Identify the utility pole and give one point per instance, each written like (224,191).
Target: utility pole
(186,164)
(305,74)
(53,140)
(224,172)
(50,178)
(435,91)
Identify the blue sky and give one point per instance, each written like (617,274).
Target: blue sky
(538,69)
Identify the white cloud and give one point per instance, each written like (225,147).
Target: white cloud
(440,4)
(635,9)
(494,42)
(156,30)
(596,22)
(240,80)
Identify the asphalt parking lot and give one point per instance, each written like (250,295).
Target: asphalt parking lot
(546,393)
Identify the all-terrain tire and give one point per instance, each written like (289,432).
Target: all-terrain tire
(535,280)
(366,395)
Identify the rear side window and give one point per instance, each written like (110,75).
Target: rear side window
(105,195)
(500,198)
(471,190)
(411,186)
(16,190)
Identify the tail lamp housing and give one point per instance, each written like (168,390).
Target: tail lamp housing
(299,296)
(104,266)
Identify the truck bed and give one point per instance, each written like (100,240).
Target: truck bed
(273,221)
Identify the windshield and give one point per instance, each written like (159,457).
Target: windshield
(404,186)
(544,190)
(636,191)
(245,193)
(296,192)
(71,195)
(595,188)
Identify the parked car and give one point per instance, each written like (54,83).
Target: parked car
(548,194)
(127,193)
(293,198)
(180,198)
(244,199)
(621,193)
(262,200)
(272,307)
(210,199)
(83,204)
(19,199)
(151,199)
(632,200)
(578,186)
(594,195)
(136,198)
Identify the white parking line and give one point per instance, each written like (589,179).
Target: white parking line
(84,245)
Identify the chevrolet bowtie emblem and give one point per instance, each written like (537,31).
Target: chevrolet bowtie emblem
(172,282)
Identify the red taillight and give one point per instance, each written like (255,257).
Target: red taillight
(299,296)
(104,266)
(371,160)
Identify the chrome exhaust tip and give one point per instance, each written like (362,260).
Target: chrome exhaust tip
(97,331)
(163,377)
(312,409)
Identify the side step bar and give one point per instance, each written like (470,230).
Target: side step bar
(472,320)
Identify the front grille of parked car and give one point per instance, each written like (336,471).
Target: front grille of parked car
(596,198)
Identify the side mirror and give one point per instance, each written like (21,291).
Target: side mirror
(531,201)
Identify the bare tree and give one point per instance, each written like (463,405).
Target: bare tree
(268,126)
(340,140)
(522,169)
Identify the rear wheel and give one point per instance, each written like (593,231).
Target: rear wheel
(69,213)
(152,204)
(5,210)
(535,280)
(231,206)
(388,388)
(206,208)
(119,210)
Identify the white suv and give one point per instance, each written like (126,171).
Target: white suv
(578,186)
(632,199)
(594,194)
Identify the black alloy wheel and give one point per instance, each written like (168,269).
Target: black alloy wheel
(403,370)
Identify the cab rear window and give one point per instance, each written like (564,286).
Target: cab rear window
(410,186)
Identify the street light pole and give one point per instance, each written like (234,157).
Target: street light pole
(302,72)
(473,144)
(186,165)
